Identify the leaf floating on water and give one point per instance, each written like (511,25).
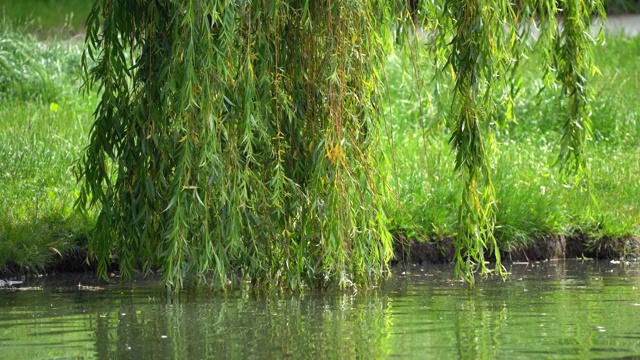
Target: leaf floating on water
(28,288)
(89,288)
(9,283)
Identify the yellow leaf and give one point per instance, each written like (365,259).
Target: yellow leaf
(56,250)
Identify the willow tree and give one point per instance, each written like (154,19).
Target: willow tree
(238,138)
(480,43)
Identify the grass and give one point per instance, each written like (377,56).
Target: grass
(622,6)
(533,200)
(45,18)
(44,125)
(45,122)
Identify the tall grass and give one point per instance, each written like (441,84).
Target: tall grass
(47,18)
(34,71)
(44,125)
(533,199)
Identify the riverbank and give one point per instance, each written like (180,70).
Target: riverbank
(45,121)
(551,247)
(535,204)
(541,215)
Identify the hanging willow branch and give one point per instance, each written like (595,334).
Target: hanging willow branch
(478,53)
(573,62)
(237,139)
(481,41)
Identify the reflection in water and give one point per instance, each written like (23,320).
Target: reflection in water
(237,326)
(559,310)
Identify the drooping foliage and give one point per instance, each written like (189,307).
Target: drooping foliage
(480,43)
(574,64)
(238,138)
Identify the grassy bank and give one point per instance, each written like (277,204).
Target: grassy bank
(534,202)
(44,125)
(46,120)
(47,18)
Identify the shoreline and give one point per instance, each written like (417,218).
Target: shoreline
(413,251)
(550,247)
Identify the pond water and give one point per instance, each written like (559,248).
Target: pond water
(568,309)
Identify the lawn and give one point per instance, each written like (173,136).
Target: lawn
(45,121)
(534,201)
(47,18)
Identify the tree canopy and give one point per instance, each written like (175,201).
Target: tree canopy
(237,139)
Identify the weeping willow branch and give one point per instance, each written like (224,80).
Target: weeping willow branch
(234,139)
(237,139)
(574,64)
(478,52)
(482,42)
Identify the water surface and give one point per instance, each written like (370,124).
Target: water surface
(566,310)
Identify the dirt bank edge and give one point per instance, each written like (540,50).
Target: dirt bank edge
(442,251)
(412,251)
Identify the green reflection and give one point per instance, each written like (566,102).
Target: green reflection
(241,326)
(552,310)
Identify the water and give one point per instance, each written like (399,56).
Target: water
(551,310)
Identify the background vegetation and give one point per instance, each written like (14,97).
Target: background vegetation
(47,18)
(46,121)
(622,6)
(534,201)
(44,125)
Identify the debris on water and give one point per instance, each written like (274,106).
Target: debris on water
(27,288)
(89,288)
(4,283)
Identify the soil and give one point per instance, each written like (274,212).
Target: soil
(411,251)
(544,248)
